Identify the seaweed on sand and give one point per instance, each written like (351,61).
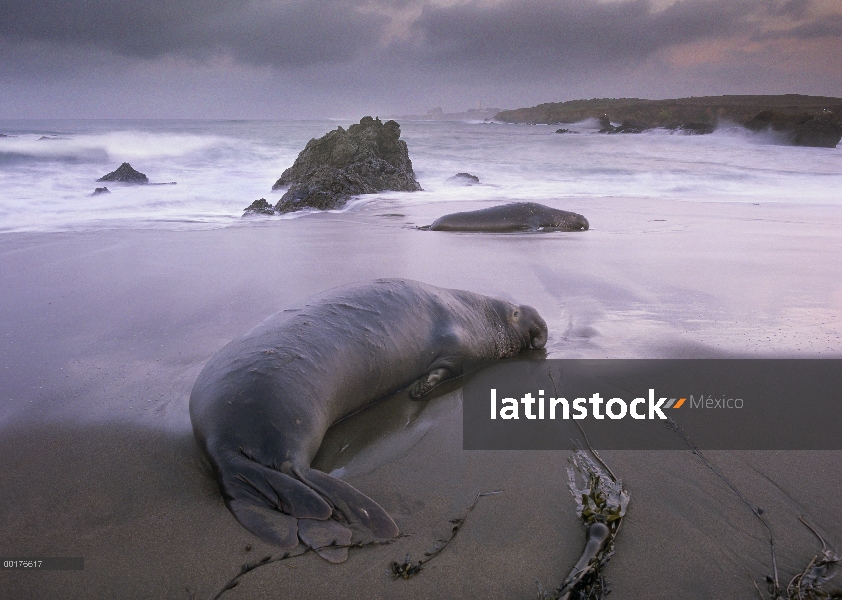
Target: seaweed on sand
(601,503)
(294,553)
(406,569)
(809,584)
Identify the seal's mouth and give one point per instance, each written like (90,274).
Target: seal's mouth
(582,222)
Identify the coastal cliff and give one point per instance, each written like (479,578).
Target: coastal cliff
(802,120)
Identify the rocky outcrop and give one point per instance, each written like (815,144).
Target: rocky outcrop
(463,179)
(102,190)
(369,157)
(125,174)
(822,129)
(259,207)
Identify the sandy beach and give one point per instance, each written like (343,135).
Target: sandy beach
(103,333)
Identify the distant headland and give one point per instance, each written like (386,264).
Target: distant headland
(802,120)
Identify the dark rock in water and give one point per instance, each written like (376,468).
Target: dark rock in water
(566,131)
(696,128)
(624,127)
(125,174)
(506,218)
(259,207)
(821,129)
(367,158)
(102,190)
(691,127)
(463,179)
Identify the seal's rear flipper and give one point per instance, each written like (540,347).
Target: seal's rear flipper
(267,502)
(328,539)
(297,499)
(355,506)
(258,483)
(268,524)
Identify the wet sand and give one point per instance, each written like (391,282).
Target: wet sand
(103,333)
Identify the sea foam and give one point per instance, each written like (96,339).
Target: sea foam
(222,166)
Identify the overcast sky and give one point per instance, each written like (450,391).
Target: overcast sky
(346,58)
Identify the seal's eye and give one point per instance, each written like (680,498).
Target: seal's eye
(514,314)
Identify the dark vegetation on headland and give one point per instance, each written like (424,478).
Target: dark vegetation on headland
(801,120)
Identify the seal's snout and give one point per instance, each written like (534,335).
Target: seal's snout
(538,335)
(537,327)
(581,223)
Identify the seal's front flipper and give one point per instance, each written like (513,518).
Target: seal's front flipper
(328,539)
(353,505)
(428,382)
(268,524)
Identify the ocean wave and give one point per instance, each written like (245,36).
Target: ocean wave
(222,166)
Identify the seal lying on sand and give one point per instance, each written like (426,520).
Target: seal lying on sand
(517,216)
(263,403)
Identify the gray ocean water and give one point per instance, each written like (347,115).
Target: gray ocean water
(48,169)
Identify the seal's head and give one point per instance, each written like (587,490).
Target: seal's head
(527,320)
(577,222)
(523,326)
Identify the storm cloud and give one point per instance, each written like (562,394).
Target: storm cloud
(411,53)
(549,33)
(278,33)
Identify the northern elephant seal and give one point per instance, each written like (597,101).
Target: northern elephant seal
(263,403)
(517,216)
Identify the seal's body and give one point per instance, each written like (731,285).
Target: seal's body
(262,405)
(506,218)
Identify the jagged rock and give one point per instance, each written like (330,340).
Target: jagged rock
(125,174)
(259,207)
(367,158)
(463,179)
(821,129)
(102,190)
